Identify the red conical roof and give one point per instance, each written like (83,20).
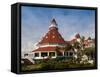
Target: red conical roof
(52,36)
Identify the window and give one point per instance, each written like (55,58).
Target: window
(52,43)
(71,54)
(53,36)
(25,54)
(51,53)
(43,54)
(36,54)
(46,36)
(66,53)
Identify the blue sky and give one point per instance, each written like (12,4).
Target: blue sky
(36,20)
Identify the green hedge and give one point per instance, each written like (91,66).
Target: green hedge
(54,64)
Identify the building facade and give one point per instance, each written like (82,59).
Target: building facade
(52,44)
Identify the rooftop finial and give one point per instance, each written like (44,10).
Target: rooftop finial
(53,23)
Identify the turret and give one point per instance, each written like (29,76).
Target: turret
(53,25)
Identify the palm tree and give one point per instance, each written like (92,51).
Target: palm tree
(77,46)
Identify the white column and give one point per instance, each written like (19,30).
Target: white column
(39,54)
(48,54)
(63,54)
(55,54)
(33,54)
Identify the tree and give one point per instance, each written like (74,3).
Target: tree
(78,46)
(90,52)
(82,39)
(68,47)
(89,38)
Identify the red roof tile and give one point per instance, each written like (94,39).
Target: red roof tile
(72,41)
(52,36)
(46,49)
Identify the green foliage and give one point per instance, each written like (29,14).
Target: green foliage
(68,47)
(31,67)
(55,64)
(90,52)
(82,38)
(89,38)
(77,45)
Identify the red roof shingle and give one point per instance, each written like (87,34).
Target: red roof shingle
(52,36)
(47,49)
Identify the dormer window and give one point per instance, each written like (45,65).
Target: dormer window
(46,36)
(53,36)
